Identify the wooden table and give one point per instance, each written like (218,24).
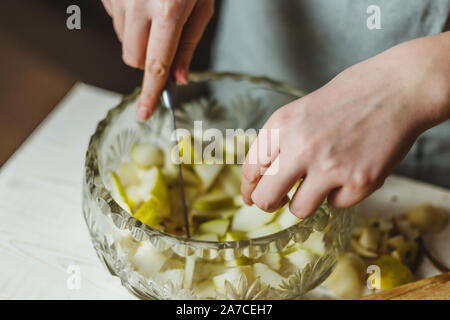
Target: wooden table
(42,231)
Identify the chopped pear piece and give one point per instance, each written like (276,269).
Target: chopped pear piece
(207,173)
(393,273)
(300,257)
(118,193)
(188,152)
(241,261)
(146,155)
(396,241)
(370,237)
(227,183)
(153,184)
(174,276)
(148,260)
(237,146)
(128,174)
(211,202)
(149,213)
(407,253)
(286,219)
(315,243)
(233,276)
(239,201)
(428,218)
(126,241)
(235,236)
(217,226)
(271,228)
(348,277)
(267,275)
(272,259)
(249,218)
(207,237)
(205,289)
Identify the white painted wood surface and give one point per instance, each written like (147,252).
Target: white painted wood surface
(42,230)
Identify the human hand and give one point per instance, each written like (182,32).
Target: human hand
(346,137)
(158,34)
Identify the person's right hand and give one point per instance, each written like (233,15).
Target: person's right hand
(158,36)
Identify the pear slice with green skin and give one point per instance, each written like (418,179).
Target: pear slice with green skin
(189,153)
(347,280)
(241,261)
(249,218)
(263,231)
(149,213)
(153,184)
(118,193)
(235,236)
(217,226)
(272,259)
(207,237)
(267,276)
(212,202)
(146,155)
(393,273)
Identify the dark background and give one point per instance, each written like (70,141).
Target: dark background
(40,60)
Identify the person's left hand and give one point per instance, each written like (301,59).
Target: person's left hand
(346,137)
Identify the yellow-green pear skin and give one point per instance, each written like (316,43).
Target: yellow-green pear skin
(212,202)
(217,226)
(118,193)
(207,237)
(149,214)
(393,273)
(347,280)
(428,218)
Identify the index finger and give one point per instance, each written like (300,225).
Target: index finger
(161,49)
(261,155)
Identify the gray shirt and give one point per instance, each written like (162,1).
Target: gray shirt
(308,42)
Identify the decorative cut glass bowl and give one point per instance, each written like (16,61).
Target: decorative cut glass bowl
(220,100)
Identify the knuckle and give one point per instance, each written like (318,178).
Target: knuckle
(330,165)
(361,180)
(135,6)
(264,203)
(156,68)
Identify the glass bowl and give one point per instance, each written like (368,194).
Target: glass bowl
(181,268)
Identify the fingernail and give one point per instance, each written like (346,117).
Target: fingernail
(143,113)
